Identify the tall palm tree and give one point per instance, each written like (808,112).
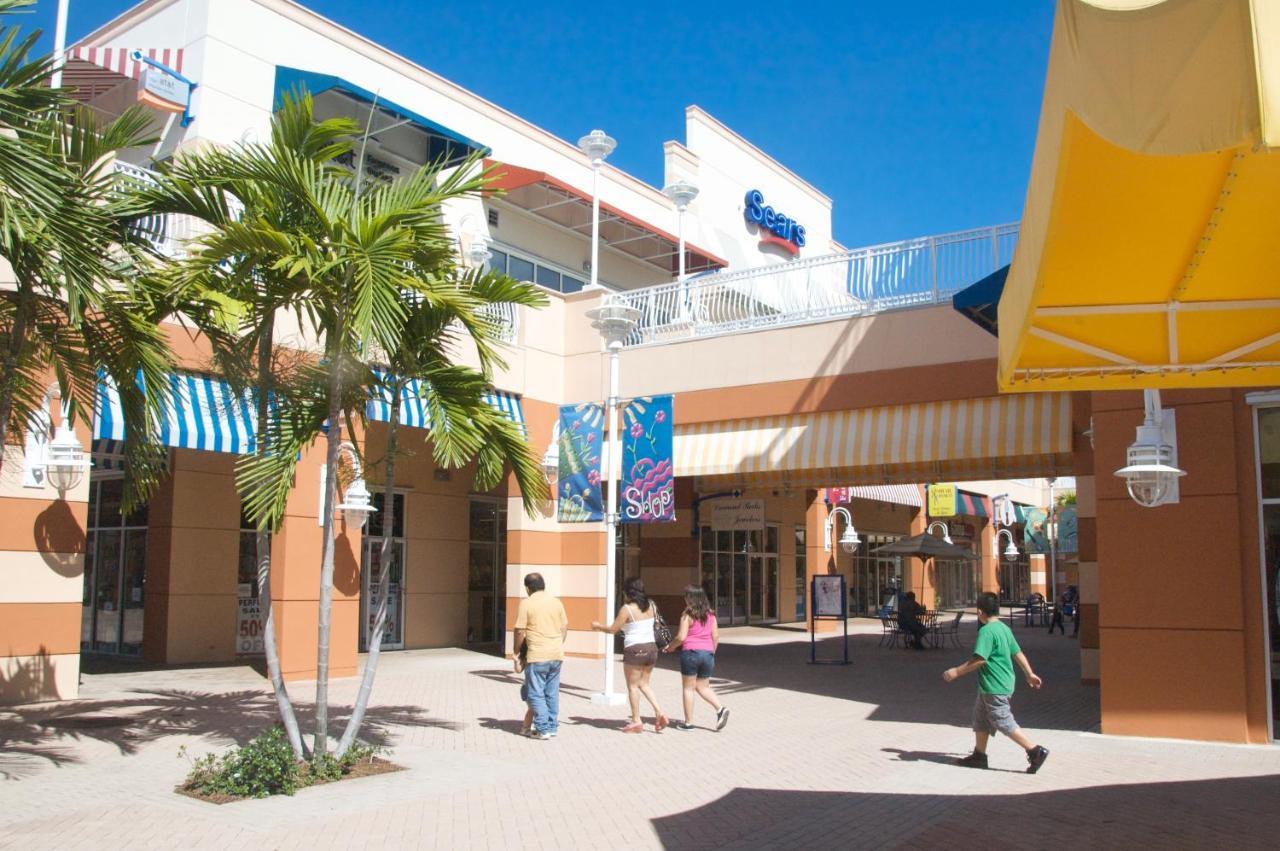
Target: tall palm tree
(78,304)
(461,427)
(229,284)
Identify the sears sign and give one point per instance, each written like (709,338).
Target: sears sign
(775,228)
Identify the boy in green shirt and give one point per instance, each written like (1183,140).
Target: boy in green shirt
(993,656)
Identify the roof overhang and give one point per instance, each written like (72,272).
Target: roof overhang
(978,303)
(569,207)
(1147,255)
(444,145)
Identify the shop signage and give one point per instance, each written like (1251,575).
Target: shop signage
(775,228)
(249,627)
(942,500)
(648,487)
(737,515)
(161,90)
(828,596)
(837,496)
(579,498)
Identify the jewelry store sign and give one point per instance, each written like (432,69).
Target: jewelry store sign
(737,515)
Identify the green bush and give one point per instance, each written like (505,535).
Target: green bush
(265,766)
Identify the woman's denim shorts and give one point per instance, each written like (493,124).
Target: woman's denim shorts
(697,663)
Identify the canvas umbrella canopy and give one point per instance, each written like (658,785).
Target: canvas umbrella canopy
(925,546)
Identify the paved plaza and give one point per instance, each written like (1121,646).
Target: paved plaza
(814,756)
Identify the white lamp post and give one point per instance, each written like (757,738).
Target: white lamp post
(946,532)
(681,194)
(1151,473)
(597,145)
(614,319)
(59,43)
(1005,517)
(849,541)
(356,505)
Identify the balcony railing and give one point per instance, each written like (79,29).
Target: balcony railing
(914,272)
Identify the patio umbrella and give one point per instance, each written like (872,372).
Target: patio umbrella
(925,546)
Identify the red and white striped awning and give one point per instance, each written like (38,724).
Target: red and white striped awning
(91,71)
(893,494)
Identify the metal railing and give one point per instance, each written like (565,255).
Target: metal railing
(506,319)
(914,272)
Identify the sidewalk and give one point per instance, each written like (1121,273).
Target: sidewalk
(813,755)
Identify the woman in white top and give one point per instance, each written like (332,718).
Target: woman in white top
(639,652)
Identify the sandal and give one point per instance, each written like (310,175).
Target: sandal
(633,728)
(660,723)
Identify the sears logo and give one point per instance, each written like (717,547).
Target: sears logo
(775,228)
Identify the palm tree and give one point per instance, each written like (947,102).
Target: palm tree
(79,304)
(461,426)
(229,284)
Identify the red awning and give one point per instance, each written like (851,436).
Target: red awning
(91,71)
(569,207)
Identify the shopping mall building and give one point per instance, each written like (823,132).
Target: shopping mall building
(796,364)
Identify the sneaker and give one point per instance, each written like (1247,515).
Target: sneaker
(722,718)
(973,760)
(1035,758)
(681,725)
(541,736)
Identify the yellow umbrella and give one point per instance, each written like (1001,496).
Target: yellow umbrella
(1149,253)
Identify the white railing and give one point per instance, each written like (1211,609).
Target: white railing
(506,319)
(914,272)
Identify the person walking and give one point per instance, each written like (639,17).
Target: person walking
(699,636)
(993,656)
(541,626)
(639,651)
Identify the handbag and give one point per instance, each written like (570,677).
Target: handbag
(661,632)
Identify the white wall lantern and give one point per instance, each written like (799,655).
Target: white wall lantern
(849,541)
(61,462)
(946,531)
(1011,551)
(357,502)
(1151,473)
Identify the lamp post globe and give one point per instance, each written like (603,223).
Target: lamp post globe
(597,145)
(1148,474)
(849,541)
(681,193)
(614,319)
(65,460)
(478,253)
(356,505)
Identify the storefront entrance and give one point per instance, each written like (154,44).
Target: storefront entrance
(114,572)
(370,559)
(741,570)
(487,573)
(876,578)
(1268,429)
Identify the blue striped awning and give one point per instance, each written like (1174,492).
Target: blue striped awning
(413,409)
(108,455)
(203,413)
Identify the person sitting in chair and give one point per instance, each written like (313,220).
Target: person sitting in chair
(909,613)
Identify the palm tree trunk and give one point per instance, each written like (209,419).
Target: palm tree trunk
(333,443)
(263,544)
(383,578)
(12,355)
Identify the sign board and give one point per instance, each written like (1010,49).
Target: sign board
(942,500)
(737,515)
(828,596)
(775,228)
(163,91)
(250,626)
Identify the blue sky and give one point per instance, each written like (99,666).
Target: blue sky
(915,118)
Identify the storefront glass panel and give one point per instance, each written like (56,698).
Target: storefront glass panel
(740,571)
(876,578)
(371,558)
(487,572)
(802,571)
(114,600)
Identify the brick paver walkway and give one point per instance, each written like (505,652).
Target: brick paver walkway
(818,756)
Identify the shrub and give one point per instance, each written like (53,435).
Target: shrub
(265,766)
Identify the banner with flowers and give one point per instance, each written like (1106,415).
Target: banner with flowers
(648,478)
(578,495)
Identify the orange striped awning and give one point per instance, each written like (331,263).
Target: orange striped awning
(967,438)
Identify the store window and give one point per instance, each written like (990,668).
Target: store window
(115,578)
(372,542)
(876,578)
(250,618)
(802,571)
(1269,479)
(626,555)
(534,271)
(487,572)
(740,569)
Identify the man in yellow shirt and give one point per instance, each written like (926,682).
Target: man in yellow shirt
(541,622)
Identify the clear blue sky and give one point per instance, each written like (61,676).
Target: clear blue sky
(915,118)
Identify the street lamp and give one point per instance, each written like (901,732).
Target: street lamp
(946,532)
(1151,473)
(597,146)
(61,462)
(849,541)
(1011,551)
(1004,516)
(681,194)
(478,252)
(356,505)
(614,319)
(551,462)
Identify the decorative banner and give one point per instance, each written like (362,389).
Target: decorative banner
(1035,532)
(942,500)
(737,515)
(837,496)
(1067,536)
(648,477)
(578,495)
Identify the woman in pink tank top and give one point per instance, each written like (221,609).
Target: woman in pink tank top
(699,636)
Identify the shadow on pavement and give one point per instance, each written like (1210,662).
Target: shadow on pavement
(948,759)
(1191,814)
(33,735)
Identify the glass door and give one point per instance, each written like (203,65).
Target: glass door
(487,573)
(114,600)
(1268,436)
(370,560)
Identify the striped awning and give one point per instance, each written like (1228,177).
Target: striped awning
(972,504)
(963,439)
(203,413)
(91,71)
(108,454)
(413,408)
(893,494)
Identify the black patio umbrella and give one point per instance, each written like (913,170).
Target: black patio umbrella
(925,546)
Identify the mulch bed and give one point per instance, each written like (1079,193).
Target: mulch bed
(376,766)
